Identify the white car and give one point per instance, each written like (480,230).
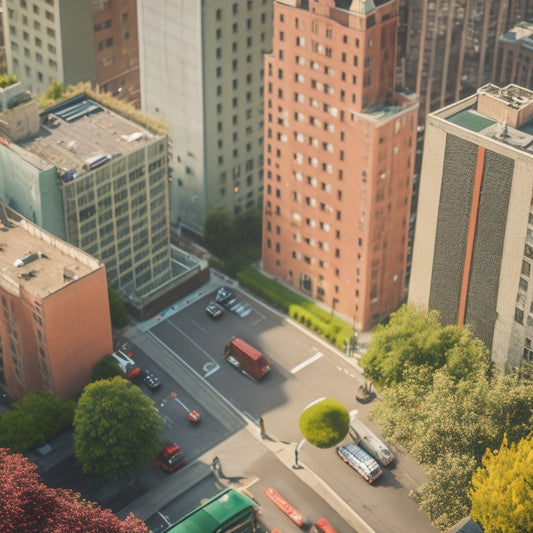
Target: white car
(364,437)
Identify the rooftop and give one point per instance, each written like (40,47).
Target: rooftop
(502,114)
(81,134)
(35,260)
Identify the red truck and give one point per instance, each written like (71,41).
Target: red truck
(246,358)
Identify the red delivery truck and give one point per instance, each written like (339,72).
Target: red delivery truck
(246,358)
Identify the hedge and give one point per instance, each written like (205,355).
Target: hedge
(323,323)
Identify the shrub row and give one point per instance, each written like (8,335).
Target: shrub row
(304,311)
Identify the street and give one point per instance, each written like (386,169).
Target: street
(304,368)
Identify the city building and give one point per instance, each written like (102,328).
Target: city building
(100,182)
(339,156)
(473,247)
(55,323)
(49,40)
(117,48)
(201,70)
(447,48)
(515,56)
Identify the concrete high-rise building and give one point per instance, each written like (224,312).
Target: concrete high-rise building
(447,48)
(55,323)
(100,182)
(515,56)
(117,48)
(473,249)
(339,156)
(201,70)
(47,40)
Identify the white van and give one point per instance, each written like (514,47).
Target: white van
(128,368)
(364,437)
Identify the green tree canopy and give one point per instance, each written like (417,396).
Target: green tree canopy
(106,368)
(414,339)
(119,313)
(116,428)
(435,416)
(218,233)
(325,423)
(34,421)
(502,488)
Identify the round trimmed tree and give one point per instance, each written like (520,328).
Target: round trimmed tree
(324,423)
(116,428)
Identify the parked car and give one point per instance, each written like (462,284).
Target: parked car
(214,310)
(223,294)
(170,457)
(150,379)
(365,438)
(362,462)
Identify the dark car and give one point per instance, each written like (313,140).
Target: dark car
(150,380)
(170,457)
(214,310)
(223,295)
(362,462)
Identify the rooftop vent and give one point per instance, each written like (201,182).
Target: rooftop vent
(133,136)
(97,160)
(28,258)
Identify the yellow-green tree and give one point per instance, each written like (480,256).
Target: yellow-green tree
(502,488)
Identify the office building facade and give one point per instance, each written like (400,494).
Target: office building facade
(49,40)
(447,48)
(99,181)
(473,247)
(54,323)
(201,70)
(339,156)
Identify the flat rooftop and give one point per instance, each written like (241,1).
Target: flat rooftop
(80,134)
(502,114)
(45,264)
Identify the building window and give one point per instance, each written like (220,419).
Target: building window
(519,315)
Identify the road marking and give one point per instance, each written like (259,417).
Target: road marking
(299,367)
(199,326)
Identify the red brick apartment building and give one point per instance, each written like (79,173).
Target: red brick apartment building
(54,311)
(117,48)
(339,156)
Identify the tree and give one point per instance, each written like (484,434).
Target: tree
(413,338)
(434,416)
(106,368)
(34,421)
(119,313)
(218,233)
(324,423)
(27,505)
(443,497)
(116,428)
(502,488)
(55,91)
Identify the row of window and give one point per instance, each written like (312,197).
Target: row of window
(235,9)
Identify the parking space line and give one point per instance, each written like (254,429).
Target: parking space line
(199,326)
(299,367)
(193,342)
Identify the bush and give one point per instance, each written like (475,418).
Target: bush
(34,421)
(325,423)
(119,314)
(106,368)
(328,326)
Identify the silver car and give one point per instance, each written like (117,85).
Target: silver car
(363,463)
(364,437)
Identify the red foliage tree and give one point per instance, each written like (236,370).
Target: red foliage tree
(27,504)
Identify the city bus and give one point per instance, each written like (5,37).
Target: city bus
(229,511)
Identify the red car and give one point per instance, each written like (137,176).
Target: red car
(170,457)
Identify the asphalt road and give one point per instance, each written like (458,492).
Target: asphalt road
(304,369)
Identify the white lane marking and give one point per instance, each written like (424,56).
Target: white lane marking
(299,367)
(199,326)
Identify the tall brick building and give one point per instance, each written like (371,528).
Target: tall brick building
(473,249)
(339,156)
(54,311)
